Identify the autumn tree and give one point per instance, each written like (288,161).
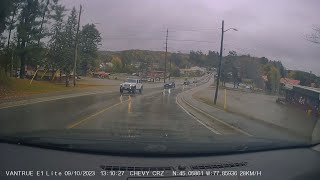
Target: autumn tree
(117,64)
(88,48)
(274,80)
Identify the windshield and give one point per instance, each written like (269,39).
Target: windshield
(131,81)
(229,74)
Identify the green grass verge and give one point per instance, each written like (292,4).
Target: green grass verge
(22,87)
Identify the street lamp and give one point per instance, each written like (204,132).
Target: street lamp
(220,59)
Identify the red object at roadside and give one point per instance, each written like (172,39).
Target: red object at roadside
(101,74)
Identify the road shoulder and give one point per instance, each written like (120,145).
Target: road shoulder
(241,124)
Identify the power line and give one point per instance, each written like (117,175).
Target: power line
(133,38)
(194,30)
(131,33)
(189,40)
(163,31)
(151,39)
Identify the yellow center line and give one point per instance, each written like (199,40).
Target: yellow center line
(103,110)
(95,114)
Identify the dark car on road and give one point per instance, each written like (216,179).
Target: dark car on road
(186,82)
(169,85)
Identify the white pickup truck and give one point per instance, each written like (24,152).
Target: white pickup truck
(131,85)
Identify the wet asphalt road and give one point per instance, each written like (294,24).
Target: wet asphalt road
(152,111)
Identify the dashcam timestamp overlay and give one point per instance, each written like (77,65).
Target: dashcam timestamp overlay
(103,173)
(217,173)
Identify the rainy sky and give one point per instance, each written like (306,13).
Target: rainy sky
(275,29)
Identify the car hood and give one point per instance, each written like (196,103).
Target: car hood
(147,142)
(127,83)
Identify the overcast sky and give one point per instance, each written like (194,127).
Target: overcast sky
(275,29)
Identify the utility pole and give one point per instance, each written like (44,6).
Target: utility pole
(165,59)
(76,49)
(310,78)
(9,38)
(220,59)
(12,73)
(170,69)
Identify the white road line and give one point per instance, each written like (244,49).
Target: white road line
(221,121)
(211,129)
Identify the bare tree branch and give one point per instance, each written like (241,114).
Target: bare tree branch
(317,29)
(315,36)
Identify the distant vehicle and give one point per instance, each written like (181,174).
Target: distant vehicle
(101,75)
(186,82)
(131,85)
(169,85)
(150,80)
